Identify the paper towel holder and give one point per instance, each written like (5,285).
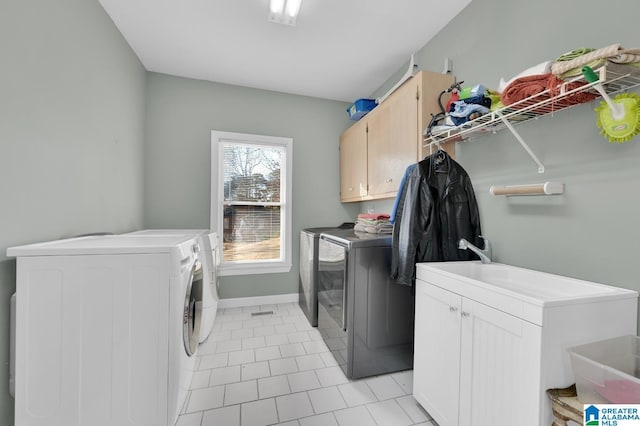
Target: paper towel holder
(546,188)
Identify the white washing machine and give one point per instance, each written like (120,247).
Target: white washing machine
(210,257)
(211,296)
(107,330)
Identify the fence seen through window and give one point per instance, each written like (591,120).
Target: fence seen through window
(252,209)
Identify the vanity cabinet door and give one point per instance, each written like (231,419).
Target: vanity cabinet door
(436,371)
(499,367)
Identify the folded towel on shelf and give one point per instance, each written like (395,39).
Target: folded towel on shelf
(373,223)
(374,229)
(614,53)
(575,53)
(541,68)
(524,87)
(575,72)
(374,216)
(538,88)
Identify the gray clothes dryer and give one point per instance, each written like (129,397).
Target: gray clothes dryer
(307,288)
(365,318)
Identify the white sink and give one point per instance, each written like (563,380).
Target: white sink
(516,290)
(539,285)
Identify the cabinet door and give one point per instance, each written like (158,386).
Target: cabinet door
(393,139)
(378,138)
(431,84)
(436,369)
(499,368)
(353,162)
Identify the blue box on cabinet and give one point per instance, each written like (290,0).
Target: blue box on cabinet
(360,108)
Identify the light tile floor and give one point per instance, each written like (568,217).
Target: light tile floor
(256,370)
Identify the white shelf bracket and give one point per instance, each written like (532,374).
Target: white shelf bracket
(410,72)
(516,135)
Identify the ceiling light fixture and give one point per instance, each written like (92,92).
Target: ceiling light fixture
(284,11)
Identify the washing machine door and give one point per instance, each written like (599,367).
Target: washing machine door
(193,309)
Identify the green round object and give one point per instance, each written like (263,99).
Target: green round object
(628,126)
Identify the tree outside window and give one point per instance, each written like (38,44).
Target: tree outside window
(252,200)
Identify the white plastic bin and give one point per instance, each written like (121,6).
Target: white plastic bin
(608,371)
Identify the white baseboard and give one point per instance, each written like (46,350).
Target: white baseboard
(237,302)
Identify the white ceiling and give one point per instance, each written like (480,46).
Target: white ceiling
(339,49)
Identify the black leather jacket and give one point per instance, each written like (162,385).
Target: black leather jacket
(437,208)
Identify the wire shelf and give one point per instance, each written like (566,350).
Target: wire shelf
(613,77)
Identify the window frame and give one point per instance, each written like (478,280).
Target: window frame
(218,139)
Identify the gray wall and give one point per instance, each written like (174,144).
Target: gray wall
(180,116)
(71,134)
(591,231)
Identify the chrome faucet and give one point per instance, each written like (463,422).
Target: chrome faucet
(485,255)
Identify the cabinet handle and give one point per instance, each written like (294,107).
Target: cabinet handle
(465,314)
(453,309)
(388,180)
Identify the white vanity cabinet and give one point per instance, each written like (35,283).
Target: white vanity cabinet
(466,353)
(436,366)
(484,354)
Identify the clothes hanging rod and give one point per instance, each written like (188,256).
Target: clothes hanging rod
(547,188)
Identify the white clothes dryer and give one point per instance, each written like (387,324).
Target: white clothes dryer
(210,257)
(107,330)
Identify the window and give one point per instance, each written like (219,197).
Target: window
(251,202)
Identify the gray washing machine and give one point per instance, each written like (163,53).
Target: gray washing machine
(307,289)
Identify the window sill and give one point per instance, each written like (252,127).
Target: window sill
(253,268)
